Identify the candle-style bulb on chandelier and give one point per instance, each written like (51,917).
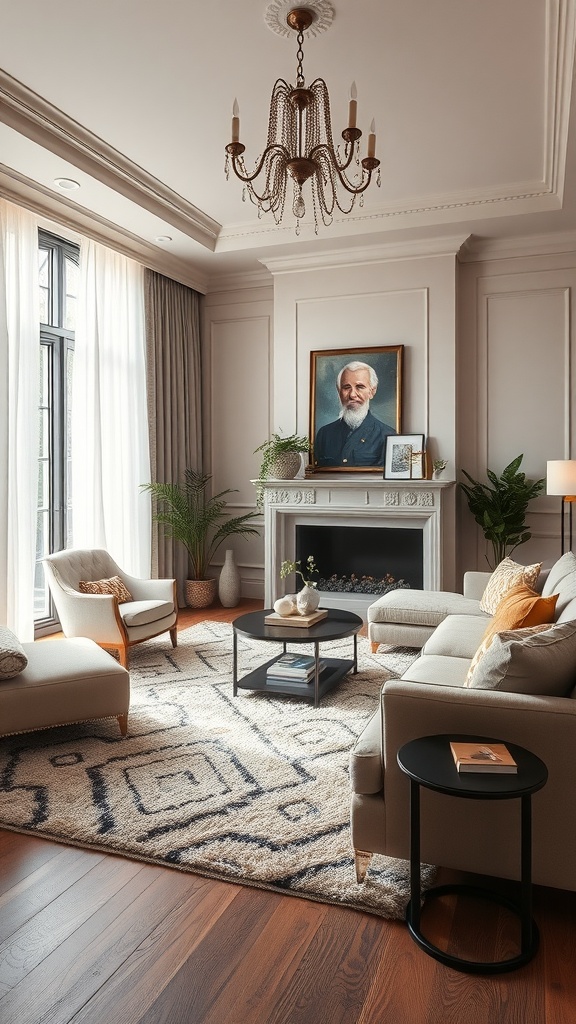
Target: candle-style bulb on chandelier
(300,148)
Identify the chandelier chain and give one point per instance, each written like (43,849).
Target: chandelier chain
(300,59)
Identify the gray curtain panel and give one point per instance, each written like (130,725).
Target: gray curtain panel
(174,401)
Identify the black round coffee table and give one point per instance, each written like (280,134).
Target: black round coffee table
(335,626)
(428,762)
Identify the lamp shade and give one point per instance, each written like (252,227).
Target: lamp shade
(561,477)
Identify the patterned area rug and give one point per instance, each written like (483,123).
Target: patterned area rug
(252,789)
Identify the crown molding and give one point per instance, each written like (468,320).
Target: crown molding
(36,119)
(512,199)
(61,211)
(478,250)
(358,256)
(240,280)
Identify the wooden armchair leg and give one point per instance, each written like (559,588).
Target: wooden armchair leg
(123,653)
(361,863)
(374,645)
(123,723)
(174,636)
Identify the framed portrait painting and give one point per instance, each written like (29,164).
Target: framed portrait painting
(355,404)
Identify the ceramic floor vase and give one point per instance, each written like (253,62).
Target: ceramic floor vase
(229,582)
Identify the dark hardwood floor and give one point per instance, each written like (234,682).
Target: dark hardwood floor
(98,939)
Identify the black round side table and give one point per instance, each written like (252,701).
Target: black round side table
(428,762)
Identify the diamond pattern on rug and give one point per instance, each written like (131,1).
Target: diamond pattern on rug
(252,788)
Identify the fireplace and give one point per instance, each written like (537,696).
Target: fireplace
(404,529)
(363,559)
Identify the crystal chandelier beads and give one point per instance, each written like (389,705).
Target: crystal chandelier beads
(300,147)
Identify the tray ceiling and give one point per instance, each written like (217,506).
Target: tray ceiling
(472,104)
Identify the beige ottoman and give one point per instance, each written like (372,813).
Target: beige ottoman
(65,681)
(407,618)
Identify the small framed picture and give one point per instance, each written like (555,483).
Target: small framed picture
(405,457)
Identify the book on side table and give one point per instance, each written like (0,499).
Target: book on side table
(483,757)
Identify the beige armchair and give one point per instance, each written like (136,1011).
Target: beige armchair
(115,626)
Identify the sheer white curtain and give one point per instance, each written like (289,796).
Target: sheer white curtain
(110,452)
(19,432)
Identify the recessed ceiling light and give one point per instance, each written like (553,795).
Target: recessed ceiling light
(163,238)
(67,184)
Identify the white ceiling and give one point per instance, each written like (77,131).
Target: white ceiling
(133,100)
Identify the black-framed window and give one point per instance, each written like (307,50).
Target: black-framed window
(58,262)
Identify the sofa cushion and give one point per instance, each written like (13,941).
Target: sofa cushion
(563,567)
(436,668)
(541,664)
(114,586)
(458,636)
(420,607)
(568,612)
(566,592)
(505,576)
(140,613)
(13,658)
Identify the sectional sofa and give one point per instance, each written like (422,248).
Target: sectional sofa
(520,688)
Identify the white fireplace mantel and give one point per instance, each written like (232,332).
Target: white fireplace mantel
(427,505)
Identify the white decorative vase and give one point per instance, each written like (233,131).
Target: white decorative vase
(229,582)
(307,600)
(285,606)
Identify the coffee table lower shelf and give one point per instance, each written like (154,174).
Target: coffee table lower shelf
(334,670)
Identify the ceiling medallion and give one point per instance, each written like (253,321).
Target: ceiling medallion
(276,16)
(299,145)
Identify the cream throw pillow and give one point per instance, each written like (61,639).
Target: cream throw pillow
(503,636)
(505,576)
(12,655)
(113,586)
(543,663)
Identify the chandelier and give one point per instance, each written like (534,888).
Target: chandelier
(300,148)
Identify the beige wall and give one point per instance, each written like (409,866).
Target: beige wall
(484,385)
(516,383)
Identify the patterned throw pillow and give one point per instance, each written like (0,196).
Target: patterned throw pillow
(505,576)
(113,586)
(520,608)
(12,656)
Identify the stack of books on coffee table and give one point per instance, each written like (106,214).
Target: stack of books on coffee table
(296,669)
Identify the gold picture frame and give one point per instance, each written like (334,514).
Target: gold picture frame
(337,446)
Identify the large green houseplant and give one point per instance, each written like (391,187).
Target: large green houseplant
(200,522)
(500,510)
(280,459)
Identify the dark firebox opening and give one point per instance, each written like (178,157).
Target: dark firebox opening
(364,559)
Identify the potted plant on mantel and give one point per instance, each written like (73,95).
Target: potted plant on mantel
(200,523)
(501,509)
(280,460)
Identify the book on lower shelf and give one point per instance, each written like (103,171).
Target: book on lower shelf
(298,668)
(494,758)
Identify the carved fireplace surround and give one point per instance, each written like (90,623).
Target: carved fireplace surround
(426,505)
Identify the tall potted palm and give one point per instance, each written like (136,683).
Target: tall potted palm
(200,522)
